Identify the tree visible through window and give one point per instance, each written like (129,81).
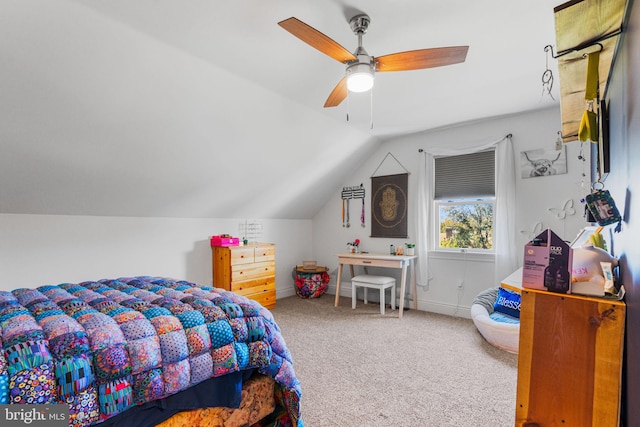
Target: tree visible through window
(464,201)
(466,225)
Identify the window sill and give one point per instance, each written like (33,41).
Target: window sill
(463,256)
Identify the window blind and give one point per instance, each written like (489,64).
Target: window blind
(465,176)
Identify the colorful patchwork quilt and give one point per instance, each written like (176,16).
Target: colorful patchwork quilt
(104,347)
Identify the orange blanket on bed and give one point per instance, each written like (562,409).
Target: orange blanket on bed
(257,402)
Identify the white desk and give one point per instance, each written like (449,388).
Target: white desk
(404,262)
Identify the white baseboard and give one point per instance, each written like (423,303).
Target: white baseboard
(284,293)
(433,307)
(446,309)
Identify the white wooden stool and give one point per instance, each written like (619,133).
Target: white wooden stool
(370,281)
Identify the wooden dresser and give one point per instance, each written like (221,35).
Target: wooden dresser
(570,360)
(248,270)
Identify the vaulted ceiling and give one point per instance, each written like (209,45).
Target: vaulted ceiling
(197,108)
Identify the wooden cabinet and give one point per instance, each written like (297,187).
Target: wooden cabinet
(569,360)
(248,270)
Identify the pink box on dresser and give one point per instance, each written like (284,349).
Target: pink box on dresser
(224,241)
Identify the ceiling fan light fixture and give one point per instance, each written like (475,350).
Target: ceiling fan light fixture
(360,82)
(359,77)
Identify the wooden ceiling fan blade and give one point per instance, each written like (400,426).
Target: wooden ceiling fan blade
(316,39)
(421,58)
(338,94)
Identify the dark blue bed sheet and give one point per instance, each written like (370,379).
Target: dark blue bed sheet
(223,391)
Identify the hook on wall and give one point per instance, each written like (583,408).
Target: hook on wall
(353,192)
(585,55)
(549,48)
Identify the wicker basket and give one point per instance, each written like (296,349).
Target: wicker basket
(311,282)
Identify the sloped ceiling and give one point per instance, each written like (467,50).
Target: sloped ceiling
(196,108)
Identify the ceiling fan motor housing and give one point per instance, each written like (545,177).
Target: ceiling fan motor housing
(360,73)
(360,23)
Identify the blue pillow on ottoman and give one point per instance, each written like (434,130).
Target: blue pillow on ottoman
(508,302)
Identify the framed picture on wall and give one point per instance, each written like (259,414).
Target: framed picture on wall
(541,162)
(389,206)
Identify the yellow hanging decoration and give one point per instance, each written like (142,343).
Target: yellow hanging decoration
(588,129)
(593,78)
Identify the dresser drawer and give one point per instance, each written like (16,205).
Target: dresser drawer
(242,255)
(267,298)
(265,253)
(247,287)
(259,269)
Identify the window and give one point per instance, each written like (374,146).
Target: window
(464,199)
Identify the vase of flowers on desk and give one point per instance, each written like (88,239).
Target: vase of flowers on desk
(352,247)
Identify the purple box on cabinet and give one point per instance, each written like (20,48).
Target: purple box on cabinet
(547,264)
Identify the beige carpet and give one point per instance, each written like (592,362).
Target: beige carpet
(359,368)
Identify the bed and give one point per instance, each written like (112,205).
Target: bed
(146,351)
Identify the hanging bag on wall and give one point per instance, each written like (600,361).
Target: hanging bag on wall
(602,207)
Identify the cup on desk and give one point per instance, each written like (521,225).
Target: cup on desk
(399,250)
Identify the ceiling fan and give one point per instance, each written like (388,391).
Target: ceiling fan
(360,66)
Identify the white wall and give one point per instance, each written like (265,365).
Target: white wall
(49,249)
(38,250)
(535,196)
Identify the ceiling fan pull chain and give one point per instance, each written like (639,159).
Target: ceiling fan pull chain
(371,107)
(348,105)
